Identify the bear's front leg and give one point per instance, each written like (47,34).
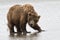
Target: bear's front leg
(19,31)
(24,29)
(36,27)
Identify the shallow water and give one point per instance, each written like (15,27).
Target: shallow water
(50,22)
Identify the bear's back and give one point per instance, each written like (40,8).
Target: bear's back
(15,13)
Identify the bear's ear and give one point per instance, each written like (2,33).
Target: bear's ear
(38,17)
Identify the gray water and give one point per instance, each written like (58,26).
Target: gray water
(50,21)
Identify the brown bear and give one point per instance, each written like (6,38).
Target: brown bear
(20,15)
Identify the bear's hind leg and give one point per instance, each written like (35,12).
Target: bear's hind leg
(11,28)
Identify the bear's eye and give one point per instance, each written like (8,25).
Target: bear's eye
(29,14)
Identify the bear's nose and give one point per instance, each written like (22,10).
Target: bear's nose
(31,24)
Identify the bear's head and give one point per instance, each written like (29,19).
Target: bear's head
(32,15)
(33,18)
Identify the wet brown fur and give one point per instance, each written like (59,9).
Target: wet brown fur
(18,17)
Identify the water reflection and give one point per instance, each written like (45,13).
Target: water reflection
(32,36)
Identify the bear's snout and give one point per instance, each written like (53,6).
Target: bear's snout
(32,23)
